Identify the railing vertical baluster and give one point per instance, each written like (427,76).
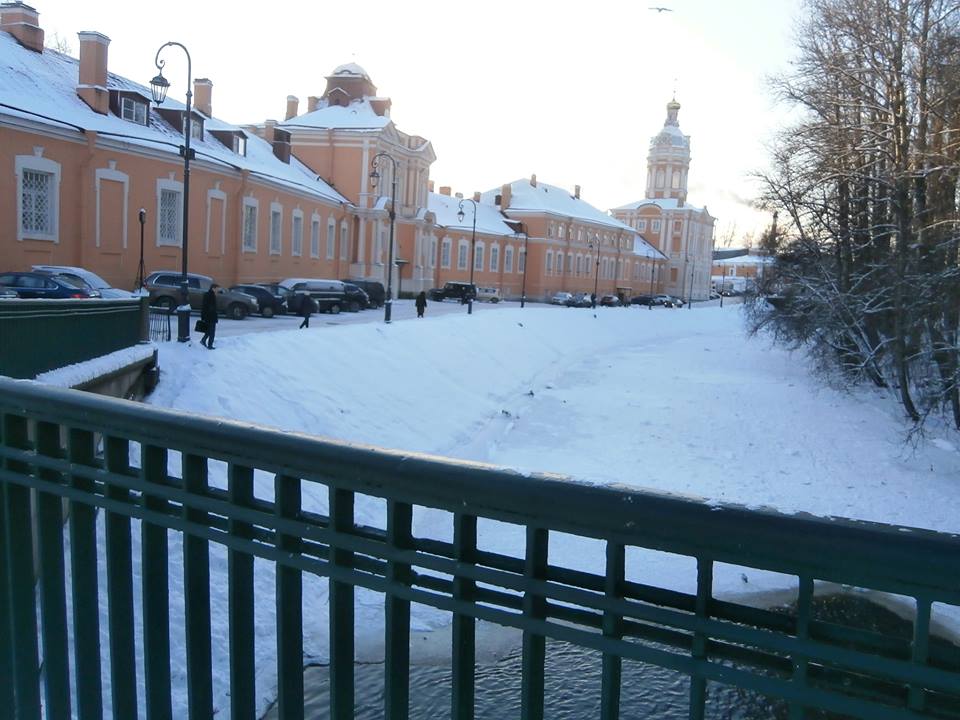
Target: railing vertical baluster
(53,593)
(534,646)
(123,665)
(921,645)
(612,664)
(155,583)
(341,612)
(85,594)
(397,640)
(289,607)
(240,581)
(196,588)
(698,684)
(800,665)
(23,610)
(7,699)
(464,626)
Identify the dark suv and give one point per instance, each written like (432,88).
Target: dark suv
(269,303)
(164,289)
(462,291)
(374,290)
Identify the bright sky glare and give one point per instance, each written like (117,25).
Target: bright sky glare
(568,91)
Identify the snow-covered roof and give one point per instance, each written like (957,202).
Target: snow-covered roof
(350,69)
(662,203)
(524,197)
(42,88)
(746,260)
(358,115)
(490,220)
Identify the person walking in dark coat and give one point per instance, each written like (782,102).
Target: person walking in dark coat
(208,315)
(421,303)
(306,309)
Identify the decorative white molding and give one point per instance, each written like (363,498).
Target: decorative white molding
(38,163)
(215,193)
(111,174)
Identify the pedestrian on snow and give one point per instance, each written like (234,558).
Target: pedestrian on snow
(421,303)
(306,309)
(208,315)
(593,300)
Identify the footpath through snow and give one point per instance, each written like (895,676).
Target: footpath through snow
(677,400)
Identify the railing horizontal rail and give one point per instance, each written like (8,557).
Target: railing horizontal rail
(805,661)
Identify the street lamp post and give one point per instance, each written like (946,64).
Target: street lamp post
(693,278)
(473,247)
(158,87)
(596,275)
(374,179)
(653,269)
(140,270)
(523,287)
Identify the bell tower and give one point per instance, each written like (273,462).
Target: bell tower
(669,159)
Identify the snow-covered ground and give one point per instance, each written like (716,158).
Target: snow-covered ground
(677,400)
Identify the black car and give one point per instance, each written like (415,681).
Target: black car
(357,299)
(375,291)
(44,285)
(641,300)
(580,300)
(610,301)
(454,290)
(270,304)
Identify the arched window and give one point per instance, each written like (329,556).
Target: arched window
(659,178)
(549,262)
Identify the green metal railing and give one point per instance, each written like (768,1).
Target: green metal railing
(41,335)
(64,445)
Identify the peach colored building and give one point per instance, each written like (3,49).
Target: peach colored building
(684,233)
(739,269)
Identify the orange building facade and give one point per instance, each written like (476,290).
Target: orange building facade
(89,154)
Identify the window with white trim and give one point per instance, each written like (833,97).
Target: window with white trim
(169,217)
(642,224)
(569,263)
(521,260)
(331,238)
(133,111)
(344,241)
(445,253)
(36,203)
(508,258)
(655,226)
(549,262)
(296,239)
(494,258)
(677,225)
(478,256)
(276,229)
(315,236)
(249,225)
(462,255)
(579,264)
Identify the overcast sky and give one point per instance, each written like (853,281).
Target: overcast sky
(571,91)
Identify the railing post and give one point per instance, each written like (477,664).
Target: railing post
(341,612)
(7,699)
(84,583)
(196,590)
(916,699)
(464,626)
(698,683)
(612,664)
(241,600)
(53,595)
(123,664)
(289,607)
(155,583)
(534,645)
(397,631)
(800,665)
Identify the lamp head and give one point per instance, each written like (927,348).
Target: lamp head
(460,214)
(374,177)
(158,88)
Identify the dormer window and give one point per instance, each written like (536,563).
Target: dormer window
(240,145)
(196,129)
(133,111)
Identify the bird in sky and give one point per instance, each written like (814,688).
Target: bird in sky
(661,9)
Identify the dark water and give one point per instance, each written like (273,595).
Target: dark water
(572,677)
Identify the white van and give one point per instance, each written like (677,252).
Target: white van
(488,294)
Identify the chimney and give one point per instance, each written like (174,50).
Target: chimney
(293,103)
(576,191)
(533,180)
(312,102)
(269,126)
(476,196)
(203,96)
(429,185)
(506,193)
(92,87)
(445,190)
(23,22)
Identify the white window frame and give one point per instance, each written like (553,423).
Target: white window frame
(655,226)
(478,254)
(248,240)
(331,238)
(296,233)
(111,174)
(276,228)
(176,186)
(494,257)
(432,262)
(521,260)
(508,258)
(38,164)
(344,240)
(137,110)
(446,252)
(463,255)
(212,194)
(548,263)
(315,235)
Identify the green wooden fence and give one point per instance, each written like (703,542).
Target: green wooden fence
(65,445)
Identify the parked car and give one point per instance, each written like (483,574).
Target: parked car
(85,278)
(668,301)
(560,298)
(374,290)
(8,293)
(329,295)
(357,299)
(488,294)
(268,303)
(642,300)
(164,289)
(454,290)
(42,285)
(580,300)
(610,301)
